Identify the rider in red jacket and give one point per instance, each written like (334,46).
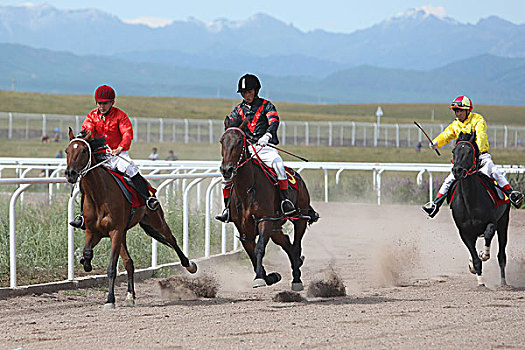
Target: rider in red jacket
(114,125)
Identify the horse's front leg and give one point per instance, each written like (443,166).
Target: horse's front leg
(474,261)
(92,239)
(116,245)
(484,255)
(261,279)
(130,269)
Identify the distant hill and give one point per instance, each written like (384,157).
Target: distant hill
(417,39)
(486,78)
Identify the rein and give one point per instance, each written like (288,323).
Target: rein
(474,168)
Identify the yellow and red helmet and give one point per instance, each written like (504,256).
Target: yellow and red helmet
(461,102)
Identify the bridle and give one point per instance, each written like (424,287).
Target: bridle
(240,163)
(88,166)
(474,168)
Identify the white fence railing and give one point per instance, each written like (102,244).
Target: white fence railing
(343,133)
(207,170)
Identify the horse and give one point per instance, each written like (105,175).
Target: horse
(254,208)
(107,213)
(473,210)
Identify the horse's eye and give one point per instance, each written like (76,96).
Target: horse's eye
(65,151)
(84,151)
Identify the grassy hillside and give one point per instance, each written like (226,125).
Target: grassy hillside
(177,107)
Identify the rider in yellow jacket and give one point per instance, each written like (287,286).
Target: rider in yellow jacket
(467,121)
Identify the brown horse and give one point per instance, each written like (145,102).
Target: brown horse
(107,213)
(254,208)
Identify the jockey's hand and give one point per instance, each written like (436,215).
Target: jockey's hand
(116,151)
(433,145)
(263,141)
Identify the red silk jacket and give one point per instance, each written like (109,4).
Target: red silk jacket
(115,127)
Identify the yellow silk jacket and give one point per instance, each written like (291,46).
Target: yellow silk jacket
(474,122)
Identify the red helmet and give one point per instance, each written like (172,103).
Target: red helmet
(104,93)
(461,102)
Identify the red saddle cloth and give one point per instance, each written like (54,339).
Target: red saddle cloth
(130,193)
(272,176)
(497,196)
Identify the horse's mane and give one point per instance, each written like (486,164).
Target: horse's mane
(95,144)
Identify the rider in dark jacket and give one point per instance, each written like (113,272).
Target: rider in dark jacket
(263,122)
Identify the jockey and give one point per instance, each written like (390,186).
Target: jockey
(262,130)
(114,125)
(467,122)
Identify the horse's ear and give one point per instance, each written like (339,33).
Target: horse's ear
(473,137)
(71,135)
(226,123)
(88,136)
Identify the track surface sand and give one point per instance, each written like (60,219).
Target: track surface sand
(406,278)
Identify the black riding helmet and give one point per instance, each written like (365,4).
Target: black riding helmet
(248,82)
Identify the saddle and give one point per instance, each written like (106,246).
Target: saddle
(128,189)
(272,176)
(495,193)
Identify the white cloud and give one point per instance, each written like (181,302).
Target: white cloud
(153,22)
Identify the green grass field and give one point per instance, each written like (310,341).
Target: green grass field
(178,107)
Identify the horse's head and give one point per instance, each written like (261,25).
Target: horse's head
(465,156)
(233,148)
(79,155)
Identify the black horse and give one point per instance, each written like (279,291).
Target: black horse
(473,208)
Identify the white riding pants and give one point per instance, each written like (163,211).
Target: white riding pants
(487,167)
(271,157)
(122,163)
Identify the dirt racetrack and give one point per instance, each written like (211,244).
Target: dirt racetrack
(407,282)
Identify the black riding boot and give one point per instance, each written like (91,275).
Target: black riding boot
(78,222)
(141,185)
(287,206)
(432,208)
(515,197)
(225,216)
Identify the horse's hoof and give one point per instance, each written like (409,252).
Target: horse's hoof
(273,278)
(258,282)
(481,285)
(297,286)
(109,306)
(483,256)
(192,268)
(130,300)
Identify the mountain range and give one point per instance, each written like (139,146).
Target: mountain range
(415,56)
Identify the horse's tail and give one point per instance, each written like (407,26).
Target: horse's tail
(150,231)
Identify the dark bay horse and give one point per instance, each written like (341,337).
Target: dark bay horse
(254,205)
(107,213)
(473,210)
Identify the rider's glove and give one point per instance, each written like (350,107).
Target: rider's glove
(433,145)
(263,141)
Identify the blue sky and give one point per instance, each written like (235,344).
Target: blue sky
(331,15)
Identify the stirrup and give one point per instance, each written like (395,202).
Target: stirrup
(516,198)
(287,207)
(225,216)
(431,209)
(152,203)
(78,222)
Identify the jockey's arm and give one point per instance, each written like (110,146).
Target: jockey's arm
(446,135)
(116,151)
(273,119)
(481,135)
(126,130)
(234,119)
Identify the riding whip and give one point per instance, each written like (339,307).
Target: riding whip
(429,139)
(290,153)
